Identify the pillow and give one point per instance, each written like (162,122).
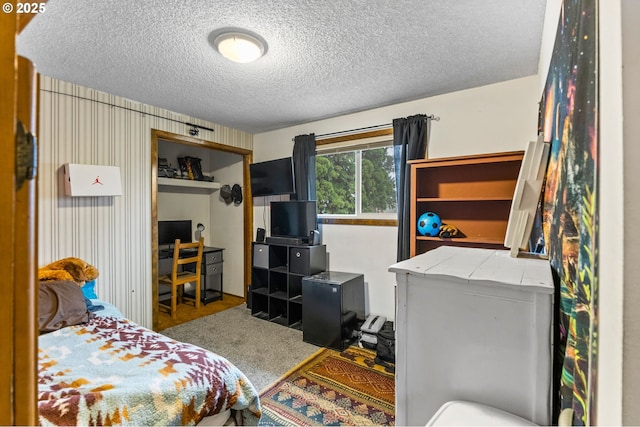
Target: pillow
(89,289)
(60,304)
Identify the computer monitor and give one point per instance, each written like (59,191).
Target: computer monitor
(169,231)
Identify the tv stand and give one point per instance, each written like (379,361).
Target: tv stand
(276,280)
(285,240)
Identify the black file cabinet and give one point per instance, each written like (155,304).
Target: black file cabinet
(211,278)
(333,305)
(210,275)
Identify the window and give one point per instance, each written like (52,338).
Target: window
(356,180)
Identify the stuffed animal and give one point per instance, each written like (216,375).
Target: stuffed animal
(448,230)
(71,268)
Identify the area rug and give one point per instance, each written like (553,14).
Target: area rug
(332,388)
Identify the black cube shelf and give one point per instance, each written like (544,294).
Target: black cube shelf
(276,280)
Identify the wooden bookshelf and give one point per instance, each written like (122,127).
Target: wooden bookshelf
(473,193)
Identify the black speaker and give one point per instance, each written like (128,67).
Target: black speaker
(260,235)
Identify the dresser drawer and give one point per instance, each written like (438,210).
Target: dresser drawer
(209,269)
(212,257)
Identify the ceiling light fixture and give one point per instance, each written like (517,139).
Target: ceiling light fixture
(239,46)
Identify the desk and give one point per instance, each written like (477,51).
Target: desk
(210,270)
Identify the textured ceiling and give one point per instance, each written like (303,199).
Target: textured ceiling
(325,58)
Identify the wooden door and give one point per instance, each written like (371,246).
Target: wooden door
(18,339)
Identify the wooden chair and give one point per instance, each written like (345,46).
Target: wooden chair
(183,255)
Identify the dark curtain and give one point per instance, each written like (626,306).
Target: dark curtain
(410,139)
(304,166)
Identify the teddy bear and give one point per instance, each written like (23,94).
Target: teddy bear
(73,269)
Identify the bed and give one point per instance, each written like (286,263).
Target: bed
(107,370)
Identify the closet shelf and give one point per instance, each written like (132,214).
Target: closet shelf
(167,184)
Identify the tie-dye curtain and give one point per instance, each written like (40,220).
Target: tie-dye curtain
(569,119)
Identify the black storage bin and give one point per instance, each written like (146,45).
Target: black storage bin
(307,260)
(386,346)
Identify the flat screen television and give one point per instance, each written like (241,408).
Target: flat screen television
(169,231)
(293,218)
(272,177)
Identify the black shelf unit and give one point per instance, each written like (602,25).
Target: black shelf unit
(276,280)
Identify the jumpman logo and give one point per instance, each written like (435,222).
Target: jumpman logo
(97,181)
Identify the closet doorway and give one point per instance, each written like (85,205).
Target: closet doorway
(227,225)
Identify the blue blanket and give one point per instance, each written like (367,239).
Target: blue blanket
(111,371)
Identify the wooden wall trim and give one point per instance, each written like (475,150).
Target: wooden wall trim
(355,136)
(195,142)
(360,221)
(7,203)
(154,229)
(26,294)
(18,360)
(248,223)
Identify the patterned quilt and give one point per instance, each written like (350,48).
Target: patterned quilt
(114,372)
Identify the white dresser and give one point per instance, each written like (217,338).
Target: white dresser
(476,325)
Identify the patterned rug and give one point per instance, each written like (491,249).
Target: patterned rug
(332,388)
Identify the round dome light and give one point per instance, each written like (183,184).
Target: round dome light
(239,47)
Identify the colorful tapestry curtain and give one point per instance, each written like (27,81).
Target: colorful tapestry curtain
(568,119)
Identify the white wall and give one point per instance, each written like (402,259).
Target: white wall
(612,235)
(631,233)
(366,250)
(551,17)
(493,118)
(227,222)
(80,125)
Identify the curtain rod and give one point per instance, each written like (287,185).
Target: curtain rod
(193,131)
(387,125)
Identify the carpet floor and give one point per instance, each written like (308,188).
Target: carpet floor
(332,388)
(264,351)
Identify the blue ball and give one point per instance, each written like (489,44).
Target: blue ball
(429,224)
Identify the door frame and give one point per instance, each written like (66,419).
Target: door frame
(18,226)
(247,159)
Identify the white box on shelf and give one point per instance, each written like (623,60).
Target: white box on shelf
(92,180)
